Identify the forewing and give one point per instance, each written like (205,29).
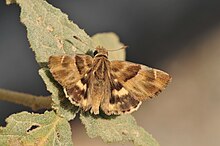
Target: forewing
(67,70)
(72,73)
(140,81)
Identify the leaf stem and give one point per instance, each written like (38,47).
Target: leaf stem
(34,102)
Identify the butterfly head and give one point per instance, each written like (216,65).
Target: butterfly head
(100,52)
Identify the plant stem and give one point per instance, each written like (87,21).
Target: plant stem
(34,102)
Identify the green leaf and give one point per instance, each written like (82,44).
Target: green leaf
(36,129)
(117,129)
(50,31)
(60,104)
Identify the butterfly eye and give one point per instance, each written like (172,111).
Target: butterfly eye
(95,52)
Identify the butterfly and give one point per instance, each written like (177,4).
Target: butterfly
(115,87)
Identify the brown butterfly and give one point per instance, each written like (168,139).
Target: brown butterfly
(117,87)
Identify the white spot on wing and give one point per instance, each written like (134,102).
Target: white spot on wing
(80,85)
(121,92)
(84,87)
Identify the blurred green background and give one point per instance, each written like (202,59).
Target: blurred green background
(181,37)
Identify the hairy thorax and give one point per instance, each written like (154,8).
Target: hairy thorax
(101,68)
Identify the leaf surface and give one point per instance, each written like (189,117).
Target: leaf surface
(117,129)
(50,31)
(26,129)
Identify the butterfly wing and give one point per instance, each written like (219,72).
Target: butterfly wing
(141,81)
(119,100)
(71,72)
(131,84)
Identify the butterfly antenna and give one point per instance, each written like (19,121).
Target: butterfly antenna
(73,45)
(124,47)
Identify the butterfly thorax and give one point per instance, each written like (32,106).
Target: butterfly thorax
(100,68)
(101,64)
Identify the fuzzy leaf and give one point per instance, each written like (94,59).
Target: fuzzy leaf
(49,31)
(36,129)
(117,129)
(60,104)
